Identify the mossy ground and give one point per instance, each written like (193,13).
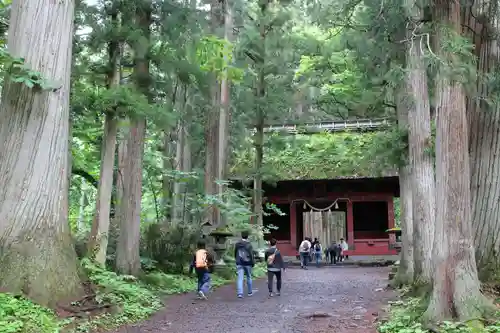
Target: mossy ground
(130,300)
(405,316)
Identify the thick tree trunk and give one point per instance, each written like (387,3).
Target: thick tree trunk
(37,256)
(175,207)
(456,287)
(406,271)
(182,160)
(121,157)
(211,155)
(260,117)
(120,171)
(99,240)
(212,124)
(224,114)
(422,164)
(168,164)
(485,160)
(127,254)
(257,183)
(187,167)
(127,250)
(98,243)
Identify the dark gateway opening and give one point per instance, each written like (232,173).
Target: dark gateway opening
(371,220)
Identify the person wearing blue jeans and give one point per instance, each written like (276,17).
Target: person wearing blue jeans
(318,249)
(203,283)
(202,263)
(242,272)
(305,252)
(243,255)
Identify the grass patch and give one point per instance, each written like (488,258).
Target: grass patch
(405,315)
(130,300)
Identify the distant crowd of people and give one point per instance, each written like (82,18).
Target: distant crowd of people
(310,250)
(203,262)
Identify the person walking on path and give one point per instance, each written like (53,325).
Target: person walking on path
(275,264)
(243,255)
(202,263)
(304,251)
(318,250)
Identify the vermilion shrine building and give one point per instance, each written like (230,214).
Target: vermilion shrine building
(359,210)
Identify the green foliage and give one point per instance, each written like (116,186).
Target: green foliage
(405,317)
(169,247)
(457,61)
(216,55)
(133,298)
(18,72)
(397,212)
(326,156)
(19,315)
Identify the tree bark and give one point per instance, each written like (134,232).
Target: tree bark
(121,157)
(98,244)
(485,156)
(422,164)
(127,254)
(260,93)
(99,236)
(456,288)
(36,251)
(127,250)
(80,225)
(406,271)
(182,159)
(211,130)
(224,114)
(168,164)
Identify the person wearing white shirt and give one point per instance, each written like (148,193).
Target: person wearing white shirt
(344,247)
(304,252)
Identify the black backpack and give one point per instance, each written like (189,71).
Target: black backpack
(317,247)
(244,255)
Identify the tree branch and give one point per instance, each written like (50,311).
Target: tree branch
(85,175)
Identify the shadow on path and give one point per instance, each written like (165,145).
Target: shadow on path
(315,300)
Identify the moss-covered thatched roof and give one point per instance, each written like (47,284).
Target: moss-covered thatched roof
(324,156)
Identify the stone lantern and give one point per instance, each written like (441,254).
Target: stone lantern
(219,246)
(397,246)
(398,243)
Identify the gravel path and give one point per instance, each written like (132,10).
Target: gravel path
(327,299)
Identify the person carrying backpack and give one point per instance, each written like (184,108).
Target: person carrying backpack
(275,264)
(304,250)
(243,255)
(202,263)
(318,249)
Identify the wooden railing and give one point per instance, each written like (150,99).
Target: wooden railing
(331,126)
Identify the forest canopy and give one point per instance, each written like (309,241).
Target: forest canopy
(325,156)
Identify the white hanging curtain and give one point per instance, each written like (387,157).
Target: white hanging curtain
(328,226)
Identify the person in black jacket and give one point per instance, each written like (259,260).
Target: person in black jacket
(243,255)
(333,252)
(275,264)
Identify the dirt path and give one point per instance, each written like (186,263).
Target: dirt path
(328,299)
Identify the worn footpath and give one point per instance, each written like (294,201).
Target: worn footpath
(326,299)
